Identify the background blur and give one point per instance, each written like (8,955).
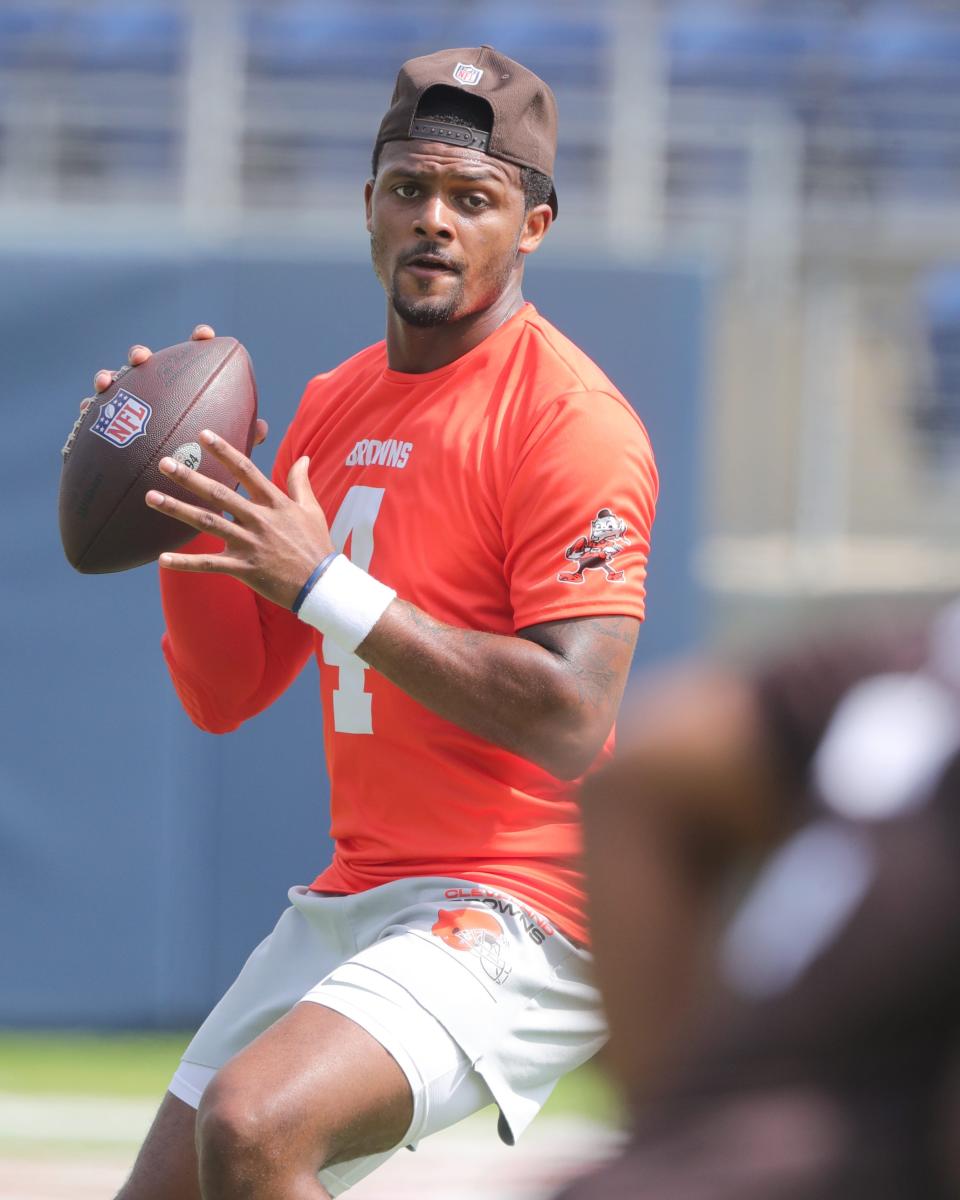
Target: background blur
(758,240)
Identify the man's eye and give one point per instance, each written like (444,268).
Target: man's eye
(406,190)
(475,201)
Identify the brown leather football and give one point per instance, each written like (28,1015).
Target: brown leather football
(110,459)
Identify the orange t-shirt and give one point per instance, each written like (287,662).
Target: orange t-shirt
(513,486)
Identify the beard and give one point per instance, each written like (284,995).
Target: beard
(426,312)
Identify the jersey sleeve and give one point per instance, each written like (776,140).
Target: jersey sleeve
(578,512)
(230,652)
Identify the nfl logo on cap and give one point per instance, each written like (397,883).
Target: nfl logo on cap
(467,74)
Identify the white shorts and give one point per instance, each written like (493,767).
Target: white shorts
(477,997)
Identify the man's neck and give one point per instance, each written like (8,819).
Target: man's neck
(417,351)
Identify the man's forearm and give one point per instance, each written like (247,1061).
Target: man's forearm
(529,698)
(229,653)
(550,694)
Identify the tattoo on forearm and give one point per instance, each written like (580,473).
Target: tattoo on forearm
(514,694)
(620,629)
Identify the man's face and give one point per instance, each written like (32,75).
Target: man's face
(447,225)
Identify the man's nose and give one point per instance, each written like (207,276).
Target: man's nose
(434,220)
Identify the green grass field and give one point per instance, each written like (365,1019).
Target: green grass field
(138,1066)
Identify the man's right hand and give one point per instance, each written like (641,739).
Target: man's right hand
(139,354)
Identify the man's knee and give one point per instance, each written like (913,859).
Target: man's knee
(313,1090)
(232,1130)
(243,1134)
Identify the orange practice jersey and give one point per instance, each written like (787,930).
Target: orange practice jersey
(512,487)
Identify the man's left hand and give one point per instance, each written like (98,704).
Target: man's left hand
(274,539)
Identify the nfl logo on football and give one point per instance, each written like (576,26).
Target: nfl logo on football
(123,419)
(467,74)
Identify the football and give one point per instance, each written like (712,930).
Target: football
(150,411)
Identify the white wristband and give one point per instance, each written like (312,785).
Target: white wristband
(345,603)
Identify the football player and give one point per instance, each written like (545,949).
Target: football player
(408,540)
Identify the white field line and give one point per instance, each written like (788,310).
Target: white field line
(86,1119)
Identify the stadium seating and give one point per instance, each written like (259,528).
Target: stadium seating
(142,37)
(938,407)
(570,50)
(870,90)
(903,80)
(29,33)
(730,48)
(336,40)
(145,37)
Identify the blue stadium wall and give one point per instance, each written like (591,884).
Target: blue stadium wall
(140,859)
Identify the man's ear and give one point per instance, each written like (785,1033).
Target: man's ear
(368,203)
(535,225)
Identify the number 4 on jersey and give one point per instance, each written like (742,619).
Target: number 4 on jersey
(352,712)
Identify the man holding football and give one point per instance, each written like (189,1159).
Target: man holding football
(439,963)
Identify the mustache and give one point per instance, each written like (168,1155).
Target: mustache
(431,250)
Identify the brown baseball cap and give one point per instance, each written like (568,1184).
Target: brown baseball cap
(523,109)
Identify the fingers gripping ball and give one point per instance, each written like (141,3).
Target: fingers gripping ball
(111,456)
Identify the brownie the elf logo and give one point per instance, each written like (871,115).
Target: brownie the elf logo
(595,551)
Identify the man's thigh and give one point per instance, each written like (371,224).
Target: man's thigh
(336,1079)
(315,1089)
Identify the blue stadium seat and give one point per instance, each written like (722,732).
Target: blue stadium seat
(112,154)
(938,410)
(902,86)
(713,47)
(343,40)
(899,51)
(30,33)
(941,297)
(720,172)
(333,40)
(305,157)
(566,51)
(146,37)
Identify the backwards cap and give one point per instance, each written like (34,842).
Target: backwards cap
(523,108)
